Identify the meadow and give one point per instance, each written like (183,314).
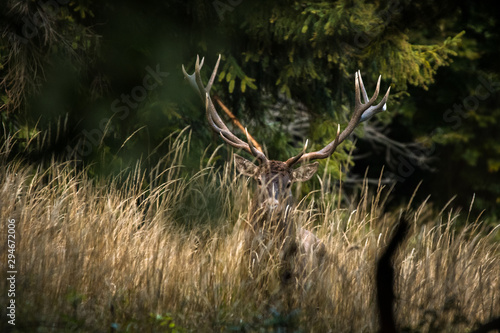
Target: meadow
(161,251)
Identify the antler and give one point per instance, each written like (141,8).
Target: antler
(214,120)
(361,113)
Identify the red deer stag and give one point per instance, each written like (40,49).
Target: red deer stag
(269,220)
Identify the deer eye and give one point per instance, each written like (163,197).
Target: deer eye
(259,181)
(288,184)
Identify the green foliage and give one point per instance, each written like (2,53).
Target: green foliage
(165,323)
(414,64)
(74,82)
(34,35)
(276,322)
(230,71)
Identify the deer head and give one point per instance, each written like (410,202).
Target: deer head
(275,178)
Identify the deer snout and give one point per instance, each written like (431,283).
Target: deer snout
(272,203)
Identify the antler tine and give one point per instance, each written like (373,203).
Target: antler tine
(373,110)
(219,127)
(212,77)
(255,152)
(292,160)
(213,117)
(363,90)
(357,97)
(362,112)
(192,81)
(368,102)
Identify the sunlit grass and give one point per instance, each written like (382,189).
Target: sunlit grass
(162,251)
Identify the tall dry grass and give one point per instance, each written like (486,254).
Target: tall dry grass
(162,252)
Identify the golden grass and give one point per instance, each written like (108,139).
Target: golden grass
(117,256)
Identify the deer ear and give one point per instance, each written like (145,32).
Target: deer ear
(244,166)
(304,172)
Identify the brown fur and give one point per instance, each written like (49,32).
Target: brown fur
(271,227)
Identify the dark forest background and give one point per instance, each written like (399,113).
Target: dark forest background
(99,83)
